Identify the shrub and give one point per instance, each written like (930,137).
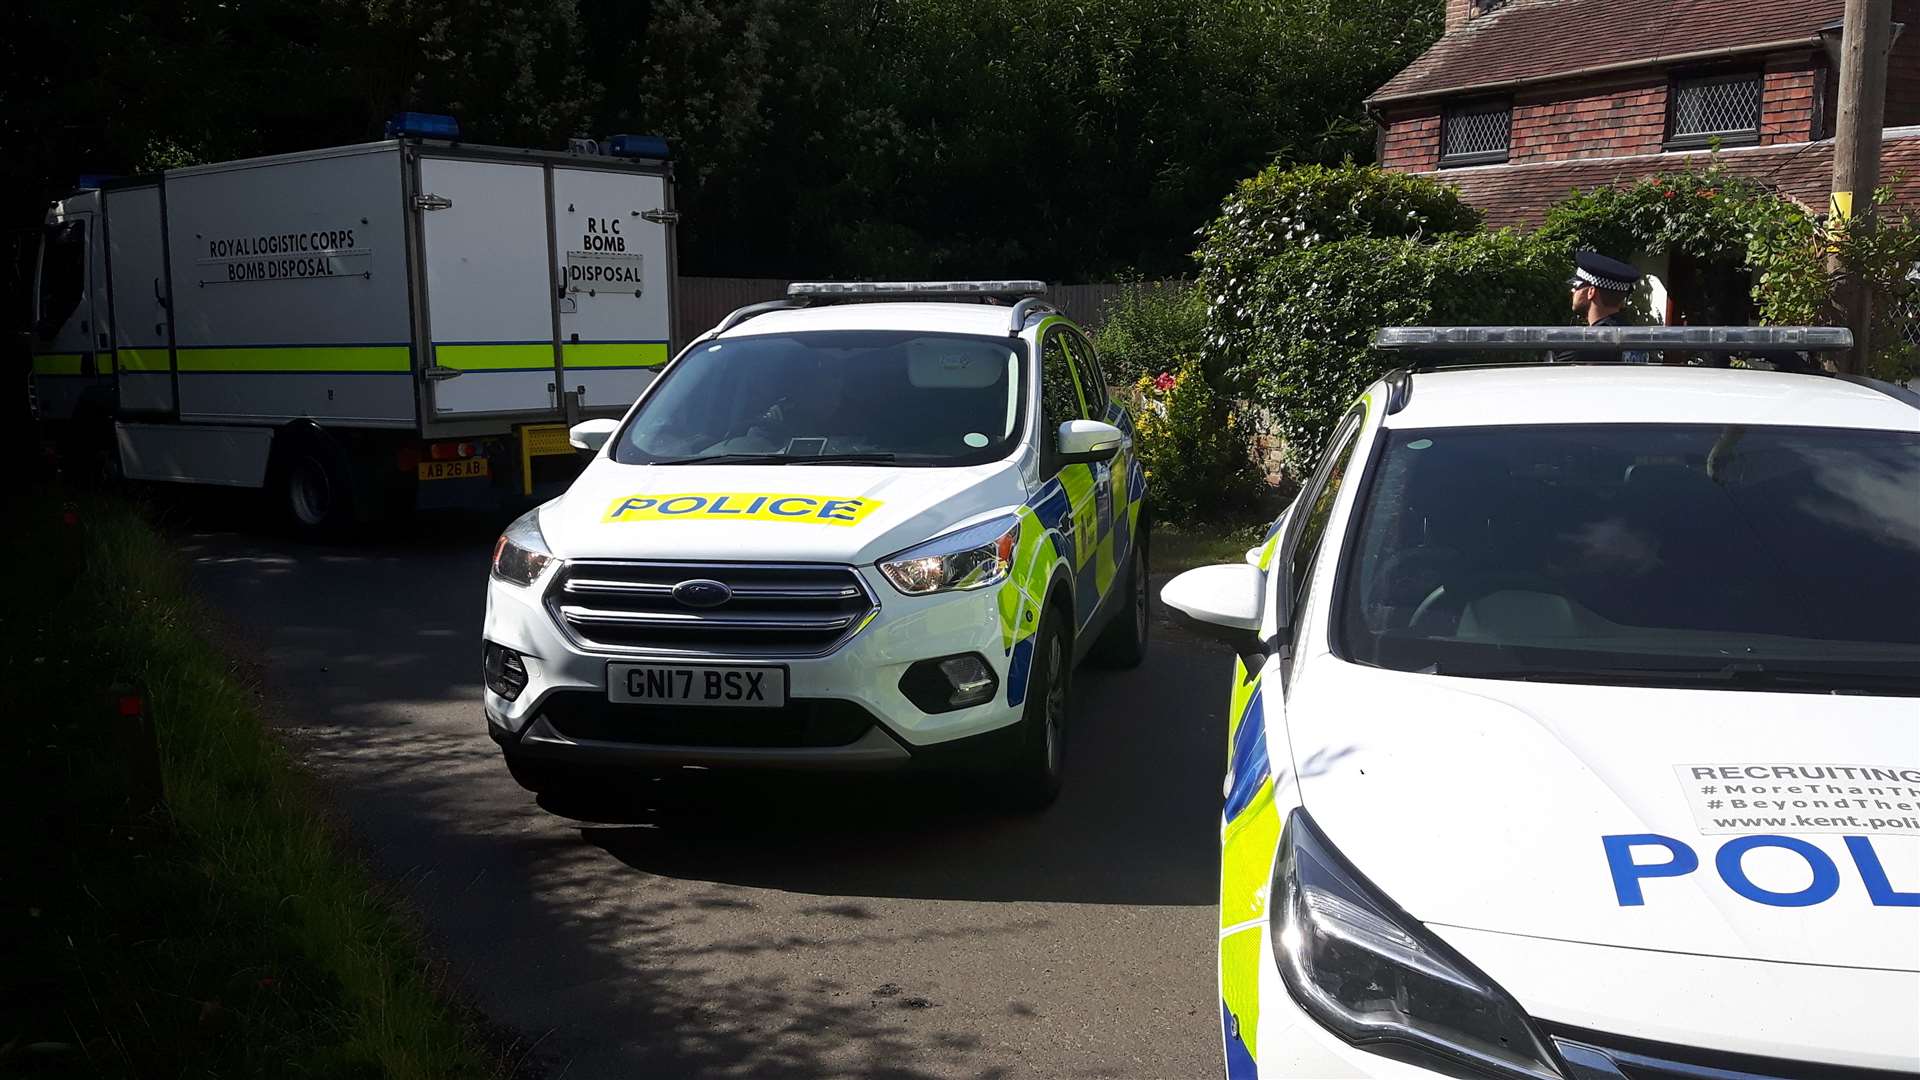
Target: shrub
(1296,337)
(1194,446)
(1148,329)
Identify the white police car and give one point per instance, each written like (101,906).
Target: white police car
(1576,732)
(867,525)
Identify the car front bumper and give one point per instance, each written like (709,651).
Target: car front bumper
(847,710)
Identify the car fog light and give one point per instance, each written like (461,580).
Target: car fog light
(505,674)
(949,682)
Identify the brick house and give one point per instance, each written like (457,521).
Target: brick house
(1522,101)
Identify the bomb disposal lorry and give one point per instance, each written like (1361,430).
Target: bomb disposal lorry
(1575,731)
(873,525)
(407,322)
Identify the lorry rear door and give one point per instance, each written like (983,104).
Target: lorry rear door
(66,361)
(611,248)
(136,268)
(490,292)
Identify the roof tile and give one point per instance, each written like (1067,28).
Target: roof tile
(1538,39)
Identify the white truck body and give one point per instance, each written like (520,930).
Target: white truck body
(386,294)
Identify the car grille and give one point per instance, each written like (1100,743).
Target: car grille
(774,610)
(579,714)
(1594,1056)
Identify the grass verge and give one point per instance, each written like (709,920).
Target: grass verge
(173,899)
(1183,547)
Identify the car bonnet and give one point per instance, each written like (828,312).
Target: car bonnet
(1775,826)
(800,513)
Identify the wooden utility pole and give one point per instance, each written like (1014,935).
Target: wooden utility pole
(1864,37)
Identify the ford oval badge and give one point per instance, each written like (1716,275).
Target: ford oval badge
(702,593)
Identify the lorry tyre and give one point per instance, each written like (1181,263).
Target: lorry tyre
(1123,644)
(1036,754)
(313,484)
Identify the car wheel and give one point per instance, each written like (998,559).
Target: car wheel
(1037,757)
(1124,642)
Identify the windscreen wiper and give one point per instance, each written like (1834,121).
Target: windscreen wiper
(725,459)
(777,459)
(1741,675)
(878,458)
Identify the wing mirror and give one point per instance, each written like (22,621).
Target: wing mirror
(592,434)
(1082,442)
(1223,603)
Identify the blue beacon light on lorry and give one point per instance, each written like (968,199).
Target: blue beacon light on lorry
(638,146)
(423,125)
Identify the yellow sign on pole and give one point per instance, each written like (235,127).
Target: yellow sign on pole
(1841,207)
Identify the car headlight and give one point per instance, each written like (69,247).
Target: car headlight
(1371,974)
(970,558)
(521,553)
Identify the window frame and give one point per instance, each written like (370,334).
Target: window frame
(1088,376)
(1676,140)
(1048,433)
(1482,157)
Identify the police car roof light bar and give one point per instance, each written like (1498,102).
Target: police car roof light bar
(828,291)
(1717,339)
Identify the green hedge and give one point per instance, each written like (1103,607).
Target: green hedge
(1295,337)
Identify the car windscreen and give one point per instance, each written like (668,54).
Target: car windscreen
(902,398)
(1659,554)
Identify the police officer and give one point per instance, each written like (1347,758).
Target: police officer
(1600,289)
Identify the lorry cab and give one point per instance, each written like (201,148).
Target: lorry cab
(871,525)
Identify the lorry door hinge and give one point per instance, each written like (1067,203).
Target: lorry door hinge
(430,201)
(438,373)
(661,216)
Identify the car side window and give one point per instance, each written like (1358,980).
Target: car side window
(1313,526)
(1087,370)
(1059,402)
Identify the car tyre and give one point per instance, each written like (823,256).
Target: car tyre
(1036,756)
(1123,644)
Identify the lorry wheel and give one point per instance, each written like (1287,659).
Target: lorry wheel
(1036,756)
(313,489)
(1123,644)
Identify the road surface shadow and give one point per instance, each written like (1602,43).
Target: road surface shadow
(651,945)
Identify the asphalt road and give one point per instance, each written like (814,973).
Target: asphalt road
(736,925)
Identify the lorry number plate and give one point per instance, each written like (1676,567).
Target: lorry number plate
(453,470)
(697,684)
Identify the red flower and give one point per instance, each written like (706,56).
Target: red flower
(1707,193)
(1163,382)
(1668,194)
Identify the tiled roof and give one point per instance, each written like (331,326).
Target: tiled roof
(1519,195)
(1531,40)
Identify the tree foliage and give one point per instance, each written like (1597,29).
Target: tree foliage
(1062,138)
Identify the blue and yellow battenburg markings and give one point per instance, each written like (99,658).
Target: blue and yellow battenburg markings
(843,511)
(1094,551)
(1249,836)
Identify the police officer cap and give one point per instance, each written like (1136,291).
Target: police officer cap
(1595,269)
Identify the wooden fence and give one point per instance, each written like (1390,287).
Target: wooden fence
(704,301)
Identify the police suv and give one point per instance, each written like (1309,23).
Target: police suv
(866,525)
(1575,733)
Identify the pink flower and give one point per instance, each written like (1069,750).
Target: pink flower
(1163,382)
